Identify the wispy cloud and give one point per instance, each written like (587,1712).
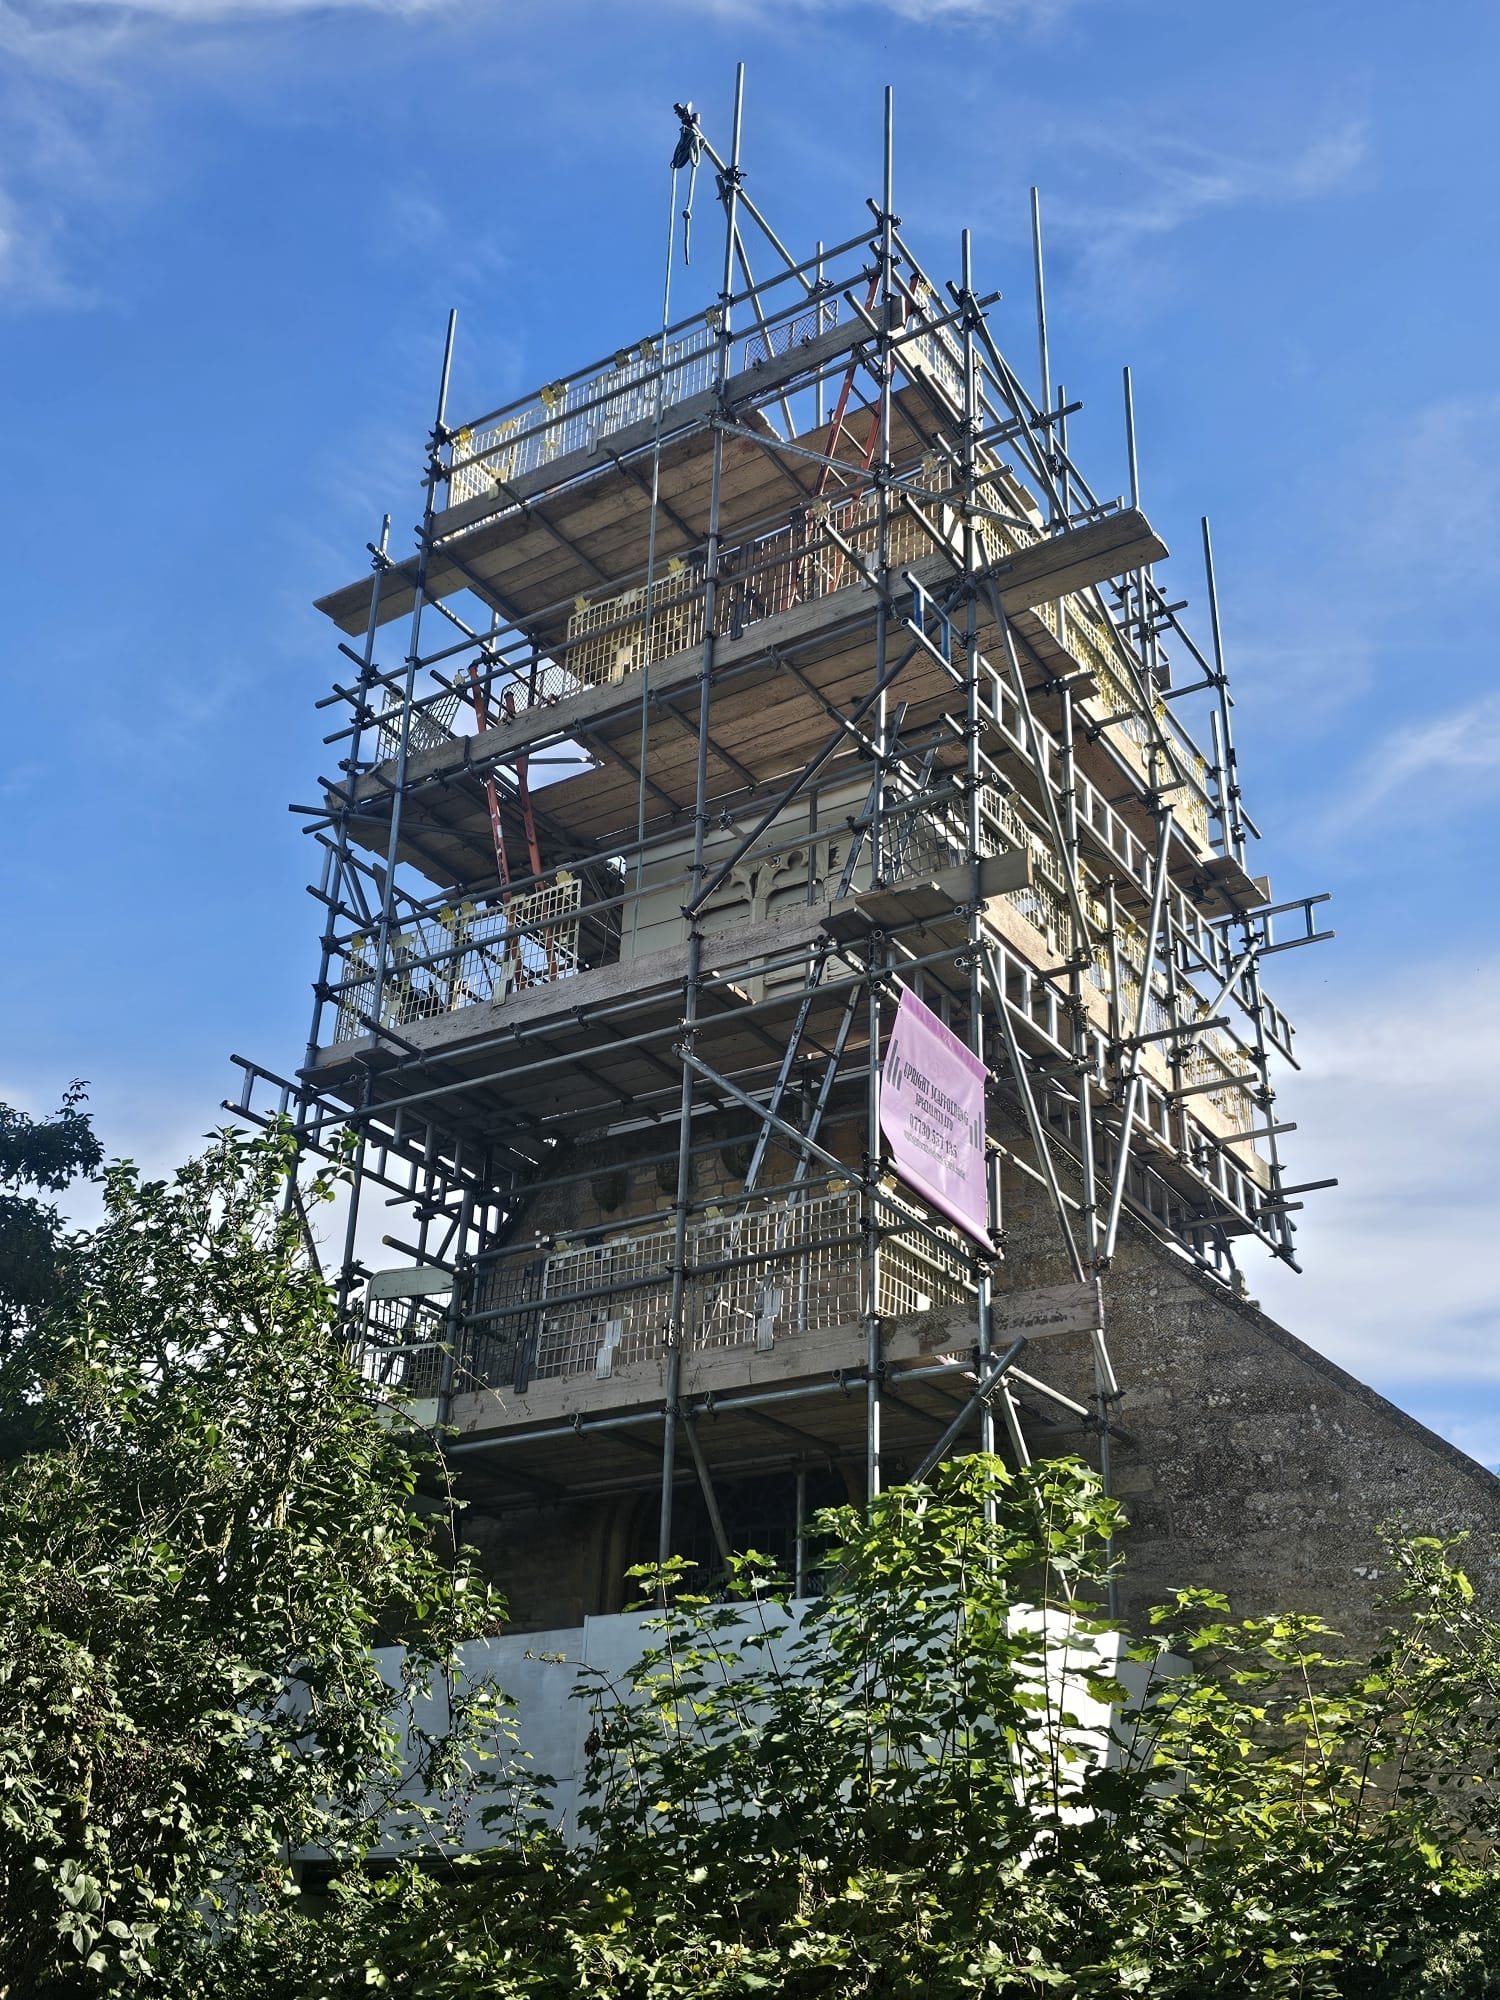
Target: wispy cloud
(223,10)
(1434,480)
(33,27)
(77,88)
(969,14)
(79,65)
(1416,514)
(1308,664)
(1035,12)
(1429,767)
(58,148)
(1399,1098)
(67,40)
(1172,181)
(66,126)
(31,271)
(21,779)
(1473,1425)
(99,50)
(1406,540)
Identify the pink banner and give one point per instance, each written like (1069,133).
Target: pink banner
(932,1114)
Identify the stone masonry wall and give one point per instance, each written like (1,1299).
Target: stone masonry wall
(1249,1463)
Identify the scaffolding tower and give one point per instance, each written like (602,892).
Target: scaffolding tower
(777,664)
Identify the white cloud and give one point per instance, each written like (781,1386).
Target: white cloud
(1432,488)
(57,148)
(1172,181)
(1036,11)
(1399,1097)
(955,13)
(1435,767)
(59,44)
(1472,1428)
(102,15)
(154,1120)
(105,18)
(1326,164)
(31,268)
(1349,624)
(77,64)
(87,43)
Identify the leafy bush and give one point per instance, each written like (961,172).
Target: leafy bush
(46,1154)
(204,1526)
(903,1796)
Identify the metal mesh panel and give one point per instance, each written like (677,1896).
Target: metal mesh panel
(1210,1057)
(401,1349)
(466,955)
(916,1275)
(804,1274)
(607,636)
(624,1324)
(574,416)
(1046,911)
(1093,648)
(938,838)
(794,332)
(429,726)
(936,352)
(596,656)
(790,1268)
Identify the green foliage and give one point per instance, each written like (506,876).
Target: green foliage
(206,1530)
(924,1784)
(52,1152)
(904,1795)
(47,1154)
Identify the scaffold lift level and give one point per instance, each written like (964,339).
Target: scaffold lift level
(774,671)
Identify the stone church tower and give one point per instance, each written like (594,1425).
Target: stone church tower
(794,970)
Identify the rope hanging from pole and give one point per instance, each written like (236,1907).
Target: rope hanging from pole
(688,153)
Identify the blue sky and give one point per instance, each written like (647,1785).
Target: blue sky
(229,234)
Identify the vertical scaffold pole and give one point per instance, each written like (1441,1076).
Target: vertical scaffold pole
(458,1304)
(1136,611)
(973,557)
(1231,818)
(648,607)
(677,1329)
(403,738)
(1232,828)
(1143,998)
(413,661)
(381,563)
(1132,469)
(874,1163)
(1043,361)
